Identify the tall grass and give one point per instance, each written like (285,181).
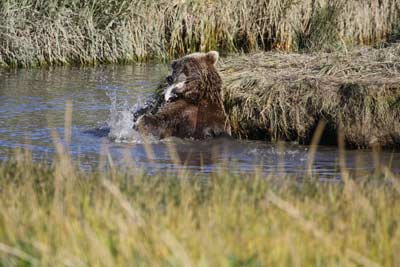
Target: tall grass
(41,32)
(59,216)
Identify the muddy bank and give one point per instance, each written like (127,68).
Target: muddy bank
(276,96)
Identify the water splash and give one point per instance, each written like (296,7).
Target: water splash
(121,120)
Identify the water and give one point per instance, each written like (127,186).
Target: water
(32,102)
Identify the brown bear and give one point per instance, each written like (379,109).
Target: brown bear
(193,104)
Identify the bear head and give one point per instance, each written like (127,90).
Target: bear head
(193,64)
(197,71)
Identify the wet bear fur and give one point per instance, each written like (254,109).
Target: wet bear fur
(194,108)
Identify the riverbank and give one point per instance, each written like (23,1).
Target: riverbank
(59,216)
(276,96)
(42,33)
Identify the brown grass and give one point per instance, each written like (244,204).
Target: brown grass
(284,96)
(49,32)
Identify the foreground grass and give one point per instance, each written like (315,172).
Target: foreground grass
(56,216)
(43,32)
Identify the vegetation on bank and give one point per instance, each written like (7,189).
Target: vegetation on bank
(59,216)
(42,32)
(278,96)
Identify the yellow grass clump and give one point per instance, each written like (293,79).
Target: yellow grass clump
(278,96)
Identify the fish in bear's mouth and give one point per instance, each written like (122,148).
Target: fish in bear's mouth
(169,92)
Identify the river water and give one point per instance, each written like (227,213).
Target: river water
(33,101)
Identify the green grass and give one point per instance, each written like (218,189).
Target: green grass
(58,216)
(42,32)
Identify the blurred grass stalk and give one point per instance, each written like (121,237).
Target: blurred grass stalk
(42,32)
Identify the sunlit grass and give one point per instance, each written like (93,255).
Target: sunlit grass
(60,216)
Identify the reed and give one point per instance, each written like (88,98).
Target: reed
(41,32)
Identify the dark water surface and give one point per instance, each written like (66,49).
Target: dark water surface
(33,101)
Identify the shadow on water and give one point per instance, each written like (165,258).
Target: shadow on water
(98,132)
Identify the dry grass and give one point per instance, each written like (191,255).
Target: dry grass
(59,216)
(53,32)
(284,96)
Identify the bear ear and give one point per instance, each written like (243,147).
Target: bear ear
(212,57)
